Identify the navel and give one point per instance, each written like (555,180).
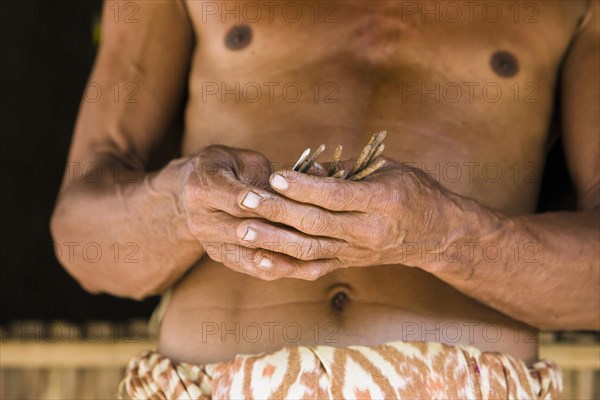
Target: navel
(504,64)
(339,301)
(238,37)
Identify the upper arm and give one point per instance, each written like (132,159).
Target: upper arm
(137,83)
(581,109)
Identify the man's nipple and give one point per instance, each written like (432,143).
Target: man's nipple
(238,37)
(504,64)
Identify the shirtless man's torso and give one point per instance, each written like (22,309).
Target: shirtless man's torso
(364,67)
(465,90)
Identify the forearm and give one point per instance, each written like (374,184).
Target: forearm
(125,236)
(541,269)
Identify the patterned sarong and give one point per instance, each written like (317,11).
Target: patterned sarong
(403,370)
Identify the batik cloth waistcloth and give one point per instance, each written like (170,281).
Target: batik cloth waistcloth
(396,370)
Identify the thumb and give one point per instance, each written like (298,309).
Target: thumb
(254,169)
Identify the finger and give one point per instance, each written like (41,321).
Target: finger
(211,186)
(249,261)
(306,218)
(326,192)
(259,234)
(218,251)
(270,266)
(216,225)
(309,270)
(255,233)
(216,179)
(225,193)
(253,168)
(245,165)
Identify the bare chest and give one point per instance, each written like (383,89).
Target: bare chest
(451,38)
(454,83)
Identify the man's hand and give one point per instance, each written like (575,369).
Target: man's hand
(334,223)
(211,183)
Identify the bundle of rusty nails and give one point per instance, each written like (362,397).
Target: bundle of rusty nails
(364,165)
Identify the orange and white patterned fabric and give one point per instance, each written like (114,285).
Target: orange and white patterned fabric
(398,370)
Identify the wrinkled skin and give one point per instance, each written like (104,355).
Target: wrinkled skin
(341,223)
(212,181)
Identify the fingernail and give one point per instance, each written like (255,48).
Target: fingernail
(252,200)
(249,235)
(265,263)
(279,182)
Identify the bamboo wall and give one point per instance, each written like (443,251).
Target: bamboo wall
(62,361)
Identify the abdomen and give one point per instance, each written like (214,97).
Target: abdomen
(216,313)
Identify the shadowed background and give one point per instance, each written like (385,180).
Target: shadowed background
(47,53)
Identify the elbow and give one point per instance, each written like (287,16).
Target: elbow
(133,288)
(62,243)
(94,278)
(136,290)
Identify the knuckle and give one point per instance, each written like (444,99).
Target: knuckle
(250,156)
(312,221)
(255,170)
(294,249)
(194,226)
(267,276)
(312,250)
(330,249)
(199,184)
(388,192)
(392,199)
(277,210)
(217,152)
(376,235)
(311,273)
(359,256)
(191,185)
(340,196)
(385,198)
(320,249)
(306,249)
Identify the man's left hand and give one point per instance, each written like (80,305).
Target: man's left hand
(329,223)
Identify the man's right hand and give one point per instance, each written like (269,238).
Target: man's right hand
(212,182)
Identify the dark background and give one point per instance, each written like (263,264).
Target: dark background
(47,54)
